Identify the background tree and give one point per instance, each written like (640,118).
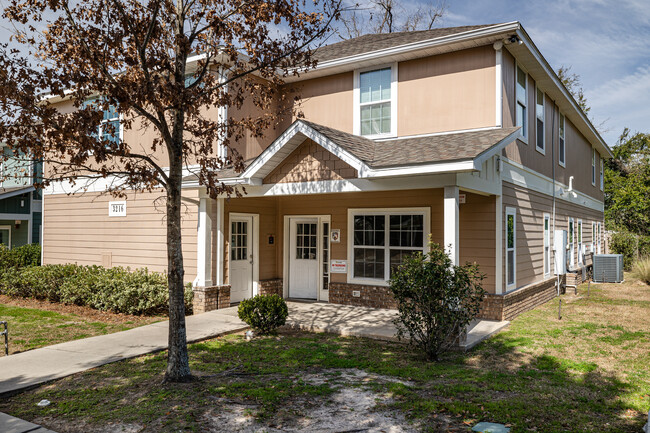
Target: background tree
(132,57)
(573,83)
(388,16)
(627,184)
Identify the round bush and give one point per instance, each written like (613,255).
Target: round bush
(264,313)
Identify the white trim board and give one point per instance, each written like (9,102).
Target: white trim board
(517,174)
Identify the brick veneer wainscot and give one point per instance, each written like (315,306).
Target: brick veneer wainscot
(271,287)
(211,298)
(511,305)
(370,296)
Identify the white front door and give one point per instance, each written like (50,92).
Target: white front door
(304,258)
(241,258)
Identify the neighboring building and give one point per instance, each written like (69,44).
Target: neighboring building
(20,202)
(462,134)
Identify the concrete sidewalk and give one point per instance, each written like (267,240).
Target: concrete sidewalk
(38,366)
(10,424)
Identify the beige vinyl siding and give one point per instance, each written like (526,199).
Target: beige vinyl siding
(477,236)
(531,207)
(77,229)
(578,149)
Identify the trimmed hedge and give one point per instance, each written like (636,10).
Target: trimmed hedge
(263,313)
(119,290)
(20,257)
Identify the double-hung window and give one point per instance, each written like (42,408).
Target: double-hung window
(562,143)
(580,252)
(511,246)
(522,101)
(382,239)
(539,112)
(602,174)
(593,167)
(109,127)
(375,102)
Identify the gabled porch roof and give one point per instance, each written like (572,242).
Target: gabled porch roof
(427,154)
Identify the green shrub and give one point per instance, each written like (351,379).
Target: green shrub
(264,313)
(641,269)
(117,289)
(19,257)
(436,300)
(631,245)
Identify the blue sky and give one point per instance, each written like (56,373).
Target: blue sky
(606,42)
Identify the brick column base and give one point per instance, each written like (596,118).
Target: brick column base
(271,287)
(211,298)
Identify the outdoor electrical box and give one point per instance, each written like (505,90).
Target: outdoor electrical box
(560,251)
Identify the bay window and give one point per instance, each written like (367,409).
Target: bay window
(382,239)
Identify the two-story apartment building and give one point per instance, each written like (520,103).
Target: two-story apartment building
(464,135)
(20,202)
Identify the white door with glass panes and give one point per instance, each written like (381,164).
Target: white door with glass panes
(304,270)
(241,258)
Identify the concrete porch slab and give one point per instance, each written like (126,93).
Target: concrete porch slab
(10,424)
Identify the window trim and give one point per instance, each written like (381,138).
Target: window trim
(119,118)
(547,243)
(524,103)
(571,241)
(561,133)
(542,149)
(425,211)
(511,211)
(593,166)
(599,236)
(393,100)
(602,173)
(579,240)
(7,227)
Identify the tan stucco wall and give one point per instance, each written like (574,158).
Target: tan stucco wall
(77,229)
(447,92)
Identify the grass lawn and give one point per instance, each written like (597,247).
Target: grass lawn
(34,324)
(588,372)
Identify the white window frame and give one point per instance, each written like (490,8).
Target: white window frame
(9,229)
(599,236)
(593,237)
(593,166)
(542,149)
(561,132)
(580,240)
(387,212)
(547,244)
(602,173)
(119,118)
(525,128)
(393,100)
(511,211)
(571,234)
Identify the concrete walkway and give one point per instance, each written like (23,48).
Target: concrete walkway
(10,424)
(38,366)
(369,322)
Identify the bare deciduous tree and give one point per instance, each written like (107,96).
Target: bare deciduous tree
(132,57)
(388,16)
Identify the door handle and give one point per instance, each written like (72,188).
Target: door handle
(251,257)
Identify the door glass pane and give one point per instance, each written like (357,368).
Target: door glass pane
(239,240)
(306,241)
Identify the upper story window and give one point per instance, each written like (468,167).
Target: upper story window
(522,98)
(562,149)
(602,174)
(593,167)
(375,102)
(539,112)
(109,127)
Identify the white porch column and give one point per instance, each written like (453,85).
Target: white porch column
(204,245)
(221,237)
(451,223)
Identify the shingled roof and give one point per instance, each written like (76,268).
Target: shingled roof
(374,42)
(458,146)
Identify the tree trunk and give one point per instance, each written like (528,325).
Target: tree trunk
(178,368)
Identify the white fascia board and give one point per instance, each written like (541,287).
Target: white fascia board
(553,76)
(520,175)
(441,167)
(299,127)
(495,149)
(414,46)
